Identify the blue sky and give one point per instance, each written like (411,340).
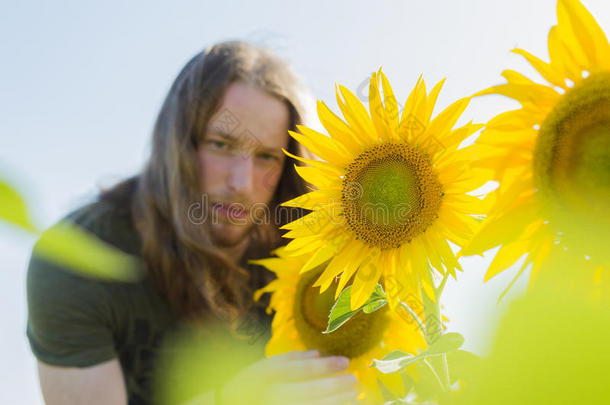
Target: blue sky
(81,83)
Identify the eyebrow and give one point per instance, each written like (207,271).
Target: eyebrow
(272,150)
(230,137)
(222,134)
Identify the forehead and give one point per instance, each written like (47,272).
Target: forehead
(247,111)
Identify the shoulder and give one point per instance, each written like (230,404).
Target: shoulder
(109,222)
(71,316)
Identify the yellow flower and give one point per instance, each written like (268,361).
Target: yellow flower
(390,192)
(552,157)
(301,314)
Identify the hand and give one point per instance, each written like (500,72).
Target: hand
(295,378)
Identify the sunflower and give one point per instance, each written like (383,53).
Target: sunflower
(552,157)
(301,314)
(389,192)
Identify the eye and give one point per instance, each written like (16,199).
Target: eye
(268,157)
(218,145)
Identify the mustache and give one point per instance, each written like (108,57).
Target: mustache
(231,204)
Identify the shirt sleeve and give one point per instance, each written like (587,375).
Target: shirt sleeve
(69,316)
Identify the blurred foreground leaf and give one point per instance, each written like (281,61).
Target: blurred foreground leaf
(549,349)
(397,360)
(13,208)
(81,251)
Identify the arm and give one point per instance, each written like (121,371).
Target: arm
(101,384)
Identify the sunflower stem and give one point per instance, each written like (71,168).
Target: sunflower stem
(445,370)
(438,379)
(441,287)
(434,323)
(416,318)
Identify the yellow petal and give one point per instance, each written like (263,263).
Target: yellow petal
(410,124)
(355,114)
(545,70)
(433,256)
(506,257)
(390,103)
(445,252)
(592,39)
(514,120)
(326,252)
(317,177)
(272,286)
(336,266)
(524,138)
(442,124)
(503,229)
(561,57)
(321,145)
(349,271)
(567,33)
(364,284)
(274,264)
(326,166)
(431,102)
(534,94)
(454,138)
(377,110)
(317,199)
(339,130)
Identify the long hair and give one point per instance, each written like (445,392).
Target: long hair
(198,279)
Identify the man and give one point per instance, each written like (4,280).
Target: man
(206,202)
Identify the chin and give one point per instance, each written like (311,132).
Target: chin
(227,235)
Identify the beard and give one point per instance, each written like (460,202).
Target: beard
(227,235)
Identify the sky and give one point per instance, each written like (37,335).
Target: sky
(81,84)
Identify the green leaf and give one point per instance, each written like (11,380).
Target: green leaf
(427,385)
(395,354)
(341,311)
(463,365)
(81,251)
(394,364)
(446,343)
(374,305)
(13,208)
(397,360)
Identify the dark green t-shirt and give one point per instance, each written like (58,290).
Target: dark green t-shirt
(78,321)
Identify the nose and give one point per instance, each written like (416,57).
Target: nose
(241,175)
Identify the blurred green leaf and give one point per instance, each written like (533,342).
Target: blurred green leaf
(395,361)
(81,251)
(446,343)
(463,365)
(427,385)
(13,208)
(398,360)
(550,348)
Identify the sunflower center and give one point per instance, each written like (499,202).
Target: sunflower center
(572,155)
(391,193)
(311,309)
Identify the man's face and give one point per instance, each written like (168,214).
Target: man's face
(241,160)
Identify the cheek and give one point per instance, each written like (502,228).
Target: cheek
(266,182)
(211,169)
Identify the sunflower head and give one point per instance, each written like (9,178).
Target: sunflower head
(302,312)
(552,156)
(571,162)
(311,313)
(389,192)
